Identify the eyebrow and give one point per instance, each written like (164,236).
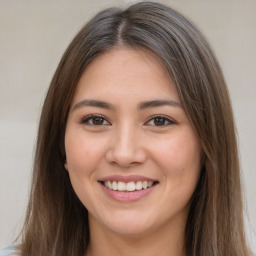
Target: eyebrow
(158,103)
(93,103)
(141,106)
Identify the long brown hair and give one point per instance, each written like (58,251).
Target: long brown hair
(56,222)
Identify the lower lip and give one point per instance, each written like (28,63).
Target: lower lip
(127,196)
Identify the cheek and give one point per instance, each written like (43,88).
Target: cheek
(83,153)
(179,157)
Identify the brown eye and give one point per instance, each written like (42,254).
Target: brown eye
(95,120)
(160,121)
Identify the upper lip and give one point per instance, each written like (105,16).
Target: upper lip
(126,179)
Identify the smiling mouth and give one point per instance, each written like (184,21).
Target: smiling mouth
(128,186)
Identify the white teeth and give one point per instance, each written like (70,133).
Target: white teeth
(138,185)
(109,184)
(121,186)
(130,186)
(144,184)
(114,185)
(150,184)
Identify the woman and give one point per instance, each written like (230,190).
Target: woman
(136,150)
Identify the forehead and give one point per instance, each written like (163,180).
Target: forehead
(125,71)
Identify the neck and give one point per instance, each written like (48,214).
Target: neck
(161,242)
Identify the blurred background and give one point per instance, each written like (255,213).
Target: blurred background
(33,36)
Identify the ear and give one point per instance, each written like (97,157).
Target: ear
(66,165)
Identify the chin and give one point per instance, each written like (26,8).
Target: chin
(130,229)
(125,223)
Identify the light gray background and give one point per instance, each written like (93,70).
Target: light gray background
(34,35)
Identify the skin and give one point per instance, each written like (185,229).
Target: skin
(128,140)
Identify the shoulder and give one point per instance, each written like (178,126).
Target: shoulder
(9,251)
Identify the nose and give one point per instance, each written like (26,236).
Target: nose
(126,148)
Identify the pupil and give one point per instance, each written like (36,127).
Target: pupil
(97,120)
(159,121)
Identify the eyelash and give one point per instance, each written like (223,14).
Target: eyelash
(167,121)
(89,119)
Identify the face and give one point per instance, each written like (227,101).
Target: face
(132,155)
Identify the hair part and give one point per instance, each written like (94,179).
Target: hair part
(57,222)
